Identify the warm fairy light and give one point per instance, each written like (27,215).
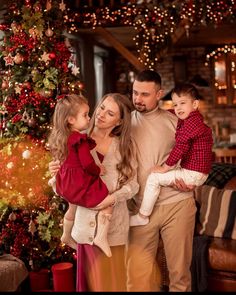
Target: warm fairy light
(218,52)
(24,166)
(145,17)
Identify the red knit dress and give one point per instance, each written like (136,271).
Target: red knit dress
(78,179)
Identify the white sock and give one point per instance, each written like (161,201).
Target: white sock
(66,237)
(138,220)
(100,239)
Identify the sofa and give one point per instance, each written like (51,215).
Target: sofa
(214,246)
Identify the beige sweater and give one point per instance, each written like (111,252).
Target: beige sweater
(85,220)
(154,134)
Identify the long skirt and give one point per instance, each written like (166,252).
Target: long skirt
(96,272)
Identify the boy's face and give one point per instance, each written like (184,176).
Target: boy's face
(146,96)
(184,105)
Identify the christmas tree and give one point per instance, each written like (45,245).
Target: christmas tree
(36,69)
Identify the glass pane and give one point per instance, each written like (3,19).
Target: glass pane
(221,97)
(220,74)
(233,76)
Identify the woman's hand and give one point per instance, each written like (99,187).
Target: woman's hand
(108,201)
(103,170)
(54,166)
(180,185)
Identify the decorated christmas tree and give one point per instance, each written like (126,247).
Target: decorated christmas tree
(36,68)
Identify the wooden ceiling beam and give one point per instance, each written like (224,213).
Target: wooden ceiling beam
(182,29)
(120,48)
(175,37)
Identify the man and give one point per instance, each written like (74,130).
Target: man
(173,216)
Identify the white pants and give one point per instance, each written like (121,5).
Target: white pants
(155,180)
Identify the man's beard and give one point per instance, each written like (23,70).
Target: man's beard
(140,108)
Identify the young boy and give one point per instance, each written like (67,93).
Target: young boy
(193,148)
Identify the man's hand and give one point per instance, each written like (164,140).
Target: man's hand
(180,185)
(108,201)
(160,168)
(54,166)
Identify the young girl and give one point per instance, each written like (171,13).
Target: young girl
(78,179)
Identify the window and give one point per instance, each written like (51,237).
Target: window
(225,79)
(100,55)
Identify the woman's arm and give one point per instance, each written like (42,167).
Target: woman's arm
(126,192)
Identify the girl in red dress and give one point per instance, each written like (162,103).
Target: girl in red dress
(78,180)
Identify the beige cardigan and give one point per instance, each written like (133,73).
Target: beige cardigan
(85,219)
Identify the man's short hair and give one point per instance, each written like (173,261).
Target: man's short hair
(148,76)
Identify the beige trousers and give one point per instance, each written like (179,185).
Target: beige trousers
(175,223)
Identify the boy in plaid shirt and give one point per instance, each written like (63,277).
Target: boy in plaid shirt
(193,148)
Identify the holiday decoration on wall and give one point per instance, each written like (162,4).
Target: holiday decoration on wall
(226,49)
(36,69)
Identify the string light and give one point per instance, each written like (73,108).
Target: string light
(153,24)
(219,51)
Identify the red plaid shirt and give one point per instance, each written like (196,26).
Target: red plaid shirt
(193,144)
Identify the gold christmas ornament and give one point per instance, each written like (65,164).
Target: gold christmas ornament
(10,165)
(12,216)
(32,227)
(25,117)
(49,32)
(18,59)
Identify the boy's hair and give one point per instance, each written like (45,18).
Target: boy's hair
(149,76)
(186,88)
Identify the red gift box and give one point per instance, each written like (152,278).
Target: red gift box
(63,277)
(39,280)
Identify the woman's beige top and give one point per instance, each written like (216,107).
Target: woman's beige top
(85,219)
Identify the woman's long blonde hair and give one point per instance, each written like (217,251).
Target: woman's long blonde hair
(66,107)
(123,132)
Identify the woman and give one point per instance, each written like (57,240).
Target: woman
(110,128)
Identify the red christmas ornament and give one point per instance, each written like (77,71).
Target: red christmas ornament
(31,122)
(5,84)
(37,7)
(49,32)
(26,85)
(64,89)
(27,3)
(80,85)
(3,27)
(52,55)
(9,60)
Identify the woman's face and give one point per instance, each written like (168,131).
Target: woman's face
(107,114)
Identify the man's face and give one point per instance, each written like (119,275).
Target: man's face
(146,96)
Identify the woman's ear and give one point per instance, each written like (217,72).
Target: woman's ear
(119,122)
(195,104)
